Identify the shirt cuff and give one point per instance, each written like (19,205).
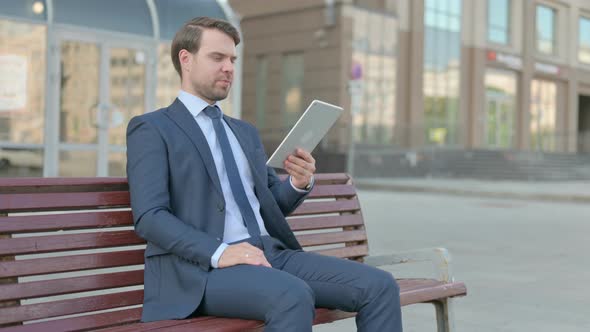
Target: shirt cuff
(217,255)
(301,190)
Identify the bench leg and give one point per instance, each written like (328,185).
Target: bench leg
(444,315)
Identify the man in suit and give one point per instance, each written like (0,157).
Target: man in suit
(213,213)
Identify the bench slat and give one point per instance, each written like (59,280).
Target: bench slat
(427,290)
(68,307)
(62,201)
(65,221)
(411,291)
(128,316)
(52,243)
(65,184)
(307,208)
(313,223)
(163,325)
(37,266)
(218,324)
(409,284)
(83,262)
(346,252)
(61,286)
(61,181)
(84,323)
(337,190)
(307,240)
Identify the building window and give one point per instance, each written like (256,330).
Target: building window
(168,79)
(261,91)
(442,56)
(79,93)
(373,92)
(499,21)
(22,81)
(500,108)
(543,115)
(128,96)
(584,51)
(22,98)
(545,28)
(292,88)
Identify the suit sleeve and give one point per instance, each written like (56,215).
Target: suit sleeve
(147,173)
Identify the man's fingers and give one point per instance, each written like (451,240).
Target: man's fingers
(294,160)
(297,161)
(256,260)
(301,171)
(305,155)
(242,253)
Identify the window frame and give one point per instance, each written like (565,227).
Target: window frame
(289,119)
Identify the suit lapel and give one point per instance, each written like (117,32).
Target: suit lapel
(183,118)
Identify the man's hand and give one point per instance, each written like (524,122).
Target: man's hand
(301,167)
(242,253)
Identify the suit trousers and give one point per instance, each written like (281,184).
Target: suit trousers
(285,296)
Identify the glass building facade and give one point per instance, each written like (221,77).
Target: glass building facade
(543,116)
(442,61)
(500,108)
(584,40)
(374,60)
(73,73)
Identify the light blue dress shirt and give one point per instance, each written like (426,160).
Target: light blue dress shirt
(235,229)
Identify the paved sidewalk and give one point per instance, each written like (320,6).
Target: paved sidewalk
(570,191)
(525,262)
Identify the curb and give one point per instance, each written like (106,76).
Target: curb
(580,199)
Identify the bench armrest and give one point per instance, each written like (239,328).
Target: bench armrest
(440,258)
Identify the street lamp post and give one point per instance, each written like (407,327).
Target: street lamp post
(355,88)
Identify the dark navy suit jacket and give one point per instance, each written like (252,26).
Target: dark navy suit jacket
(178,204)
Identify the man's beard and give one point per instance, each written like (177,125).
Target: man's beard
(211,93)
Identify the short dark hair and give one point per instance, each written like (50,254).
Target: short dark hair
(189,36)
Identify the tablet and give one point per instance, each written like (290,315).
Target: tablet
(309,130)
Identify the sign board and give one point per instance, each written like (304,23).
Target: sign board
(547,68)
(507,59)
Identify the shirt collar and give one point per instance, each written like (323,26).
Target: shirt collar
(193,103)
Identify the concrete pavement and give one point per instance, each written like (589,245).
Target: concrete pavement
(525,262)
(563,191)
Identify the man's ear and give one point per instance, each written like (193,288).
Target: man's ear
(186,60)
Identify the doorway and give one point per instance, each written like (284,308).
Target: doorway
(102,82)
(584,124)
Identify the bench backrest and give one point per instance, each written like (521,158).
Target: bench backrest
(67,245)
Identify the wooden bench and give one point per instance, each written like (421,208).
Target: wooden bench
(68,253)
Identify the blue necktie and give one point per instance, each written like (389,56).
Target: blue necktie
(233,175)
